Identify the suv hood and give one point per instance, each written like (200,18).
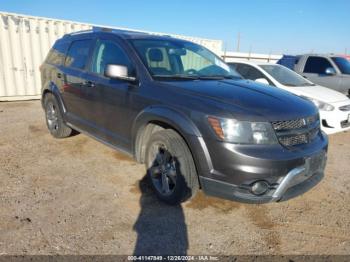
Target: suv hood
(247,98)
(320,93)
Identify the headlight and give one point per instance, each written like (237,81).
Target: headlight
(243,132)
(321,105)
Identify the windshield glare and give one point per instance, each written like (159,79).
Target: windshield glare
(285,76)
(180,59)
(343,64)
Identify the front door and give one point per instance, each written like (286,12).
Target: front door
(315,71)
(111,97)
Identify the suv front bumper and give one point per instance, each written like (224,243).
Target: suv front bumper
(288,173)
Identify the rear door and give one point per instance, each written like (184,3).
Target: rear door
(112,112)
(75,99)
(315,71)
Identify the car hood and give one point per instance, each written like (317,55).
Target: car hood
(248,97)
(320,93)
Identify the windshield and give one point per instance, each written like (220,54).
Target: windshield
(343,64)
(181,60)
(285,76)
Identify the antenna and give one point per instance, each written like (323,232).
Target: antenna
(238,41)
(225,49)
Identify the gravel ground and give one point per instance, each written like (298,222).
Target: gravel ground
(77,196)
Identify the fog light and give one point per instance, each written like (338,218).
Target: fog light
(259,188)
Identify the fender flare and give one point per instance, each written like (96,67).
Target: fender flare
(163,114)
(172,117)
(52,88)
(182,124)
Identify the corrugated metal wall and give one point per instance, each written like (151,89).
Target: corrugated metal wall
(24,44)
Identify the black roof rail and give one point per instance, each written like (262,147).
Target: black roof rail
(115,30)
(112,30)
(79,32)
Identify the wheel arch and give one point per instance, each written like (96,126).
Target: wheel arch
(153,119)
(53,89)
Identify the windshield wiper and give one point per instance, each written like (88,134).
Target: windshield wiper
(307,84)
(186,77)
(218,77)
(286,84)
(197,77)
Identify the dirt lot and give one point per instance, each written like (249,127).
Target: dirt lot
(77,196)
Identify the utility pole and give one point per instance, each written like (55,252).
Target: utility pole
(225,50)
(346,51)
(238,41)
(250,52)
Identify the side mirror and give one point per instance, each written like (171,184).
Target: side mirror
(330,71)
(262,81)
(118,72)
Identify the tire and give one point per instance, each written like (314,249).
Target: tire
(54,120)
(170,167)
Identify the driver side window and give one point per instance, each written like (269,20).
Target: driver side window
(317,65)
(251,73)
(108,52)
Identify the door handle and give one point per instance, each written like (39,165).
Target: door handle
(89,84)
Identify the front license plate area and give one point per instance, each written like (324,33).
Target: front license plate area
(315,163)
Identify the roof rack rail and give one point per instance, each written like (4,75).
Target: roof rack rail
(79,32)
(115,30)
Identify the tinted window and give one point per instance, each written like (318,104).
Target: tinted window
(57,52)
(78,54)
(285,76)
(176,59)
(343,64)
(317,65)
(249,72)
(108,52)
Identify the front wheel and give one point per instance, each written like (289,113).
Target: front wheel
(170,167)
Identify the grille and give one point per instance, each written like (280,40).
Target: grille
(294,124)
(345,108)
(345,124)
(293,140)
(298,131)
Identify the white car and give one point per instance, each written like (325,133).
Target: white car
(334,107)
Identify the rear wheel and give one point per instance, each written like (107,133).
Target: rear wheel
(54,120)
(170,167)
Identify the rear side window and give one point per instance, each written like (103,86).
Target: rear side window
(57,53)
(249,72)
(317,65)
(108,52)
(78,54)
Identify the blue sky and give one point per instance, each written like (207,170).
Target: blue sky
(276,26)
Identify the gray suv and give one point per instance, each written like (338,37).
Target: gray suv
(182,111)
(325,70)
